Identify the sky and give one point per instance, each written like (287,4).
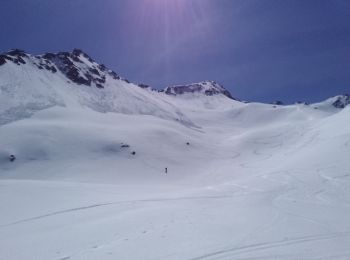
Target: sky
(260,50)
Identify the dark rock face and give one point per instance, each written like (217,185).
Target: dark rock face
(2,60)
(208,88)
(143,86)
(64,62)
(77,70)
(342,101)
(17,52)
(77,52)
(46,64)
(148,87)
(94,71)
(16,56)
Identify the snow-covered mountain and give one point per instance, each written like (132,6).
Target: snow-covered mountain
(95,167)
(32,83)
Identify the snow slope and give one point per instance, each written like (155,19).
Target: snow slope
(255,181)
(26,89)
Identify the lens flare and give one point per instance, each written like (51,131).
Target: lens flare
(169,20)
(169,25)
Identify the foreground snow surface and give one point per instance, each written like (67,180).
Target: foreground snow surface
(256,182)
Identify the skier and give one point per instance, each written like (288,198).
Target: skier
(12,157)
(166,170)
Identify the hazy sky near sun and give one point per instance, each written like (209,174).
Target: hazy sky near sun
(261,50)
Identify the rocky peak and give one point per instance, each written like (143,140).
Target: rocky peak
(77,66)
(15,55)
(341,101)
(208,88)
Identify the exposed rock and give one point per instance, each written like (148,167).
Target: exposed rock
(2,60)
(78,52)
(278,103)
(143,86)
(79,68)
(208,88)
(94,71)
(82,75)
(15,55)
(342,101)
(8,58)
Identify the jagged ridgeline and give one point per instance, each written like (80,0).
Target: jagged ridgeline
(80,69)
(31,83)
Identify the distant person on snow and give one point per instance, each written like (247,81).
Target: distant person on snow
(166,170)
(12,157)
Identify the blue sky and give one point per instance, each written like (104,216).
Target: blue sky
(260,50)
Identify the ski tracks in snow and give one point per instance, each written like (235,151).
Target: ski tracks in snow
(98,205)
(234,251)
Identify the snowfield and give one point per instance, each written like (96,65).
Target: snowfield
(255,181)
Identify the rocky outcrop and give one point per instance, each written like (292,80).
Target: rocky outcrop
(208,88)
(342,101)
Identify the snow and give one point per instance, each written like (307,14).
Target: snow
(25,89)
(256,181)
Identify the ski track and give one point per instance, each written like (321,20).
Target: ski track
(270,245)
(264,160)
(124,202)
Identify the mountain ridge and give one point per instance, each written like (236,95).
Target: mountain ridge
(79,68)
(92,73)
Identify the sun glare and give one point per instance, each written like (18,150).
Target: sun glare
(169,17)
